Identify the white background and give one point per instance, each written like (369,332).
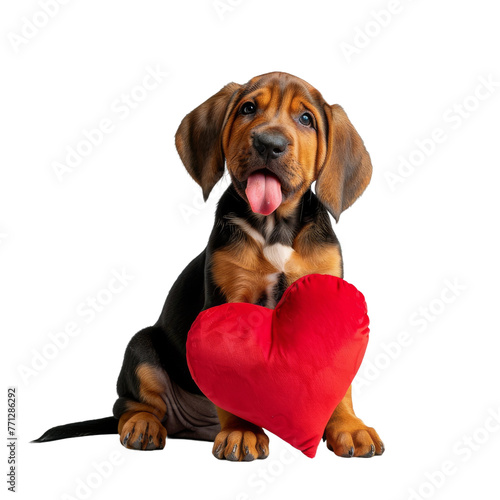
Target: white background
(123,206)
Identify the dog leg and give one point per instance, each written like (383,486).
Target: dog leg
(239,440)
(347,436)
(141,406)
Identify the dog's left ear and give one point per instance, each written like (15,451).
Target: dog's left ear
(199,138)
(347,169)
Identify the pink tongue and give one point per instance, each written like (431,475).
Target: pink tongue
(264,193)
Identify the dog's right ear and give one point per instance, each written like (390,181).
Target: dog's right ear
(199,138)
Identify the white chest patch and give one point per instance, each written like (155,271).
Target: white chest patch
(278,255)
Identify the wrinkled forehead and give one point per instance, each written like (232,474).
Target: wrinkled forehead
(280,89)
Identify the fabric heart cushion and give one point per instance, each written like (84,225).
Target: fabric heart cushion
(284,369)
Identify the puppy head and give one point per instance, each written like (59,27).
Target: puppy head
(277,136)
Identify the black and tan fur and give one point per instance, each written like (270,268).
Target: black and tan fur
(249,257)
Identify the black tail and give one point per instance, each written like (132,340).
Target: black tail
(107,425)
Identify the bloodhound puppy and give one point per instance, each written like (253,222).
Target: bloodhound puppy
(276,135)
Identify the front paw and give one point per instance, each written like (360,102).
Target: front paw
(241,443)
(350,437)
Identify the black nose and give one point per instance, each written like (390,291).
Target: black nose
(270,145)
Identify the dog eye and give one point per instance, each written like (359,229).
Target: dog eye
(306,119)
(248,108)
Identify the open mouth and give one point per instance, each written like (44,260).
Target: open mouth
(263,192)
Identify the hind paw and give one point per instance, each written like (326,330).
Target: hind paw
(143,431)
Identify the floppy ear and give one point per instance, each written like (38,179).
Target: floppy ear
(347,168)
(199,138)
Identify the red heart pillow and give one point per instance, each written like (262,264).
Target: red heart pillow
(284,369)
